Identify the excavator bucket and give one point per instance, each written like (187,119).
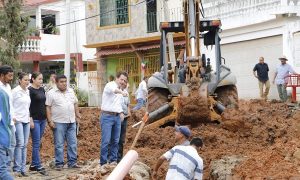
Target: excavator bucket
(193,105)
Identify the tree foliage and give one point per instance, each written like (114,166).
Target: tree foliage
(13,31)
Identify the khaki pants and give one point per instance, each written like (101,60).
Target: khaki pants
(261,85)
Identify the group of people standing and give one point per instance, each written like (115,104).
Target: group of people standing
(261,70)
(26,110)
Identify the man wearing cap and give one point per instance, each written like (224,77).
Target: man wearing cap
(185,162)
(282,71)
(260,71)
(182,134)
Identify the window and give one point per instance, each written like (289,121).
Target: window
(151,16)
(113,12)
(49,24)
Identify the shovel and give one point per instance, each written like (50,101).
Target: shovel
(143,122)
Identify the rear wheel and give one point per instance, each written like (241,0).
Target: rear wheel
(157,97)
(228,96)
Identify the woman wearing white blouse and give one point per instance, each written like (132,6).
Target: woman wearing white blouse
(21,104)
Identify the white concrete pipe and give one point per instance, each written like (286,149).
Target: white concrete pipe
(124,166)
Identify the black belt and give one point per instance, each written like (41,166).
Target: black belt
(111,113)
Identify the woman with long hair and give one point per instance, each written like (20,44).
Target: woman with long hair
(38,115)
(21,102)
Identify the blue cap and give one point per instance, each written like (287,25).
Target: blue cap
(183,130)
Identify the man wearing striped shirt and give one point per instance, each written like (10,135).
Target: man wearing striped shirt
(185,163)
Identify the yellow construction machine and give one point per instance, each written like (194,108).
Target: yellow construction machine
(188,91)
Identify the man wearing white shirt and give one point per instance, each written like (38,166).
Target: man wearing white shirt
(110,120)
(6,77)
(185,162)
(141,94)
(280,78)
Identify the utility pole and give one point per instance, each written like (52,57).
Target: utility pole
(67,51)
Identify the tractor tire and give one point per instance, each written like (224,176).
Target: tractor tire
(157,97)
(228,96)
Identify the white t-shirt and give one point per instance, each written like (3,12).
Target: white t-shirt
(282,72)
(142,91)
(111,101)
(185,163)
(7,89)
(21,103)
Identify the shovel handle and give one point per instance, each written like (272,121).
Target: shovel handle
(144,120)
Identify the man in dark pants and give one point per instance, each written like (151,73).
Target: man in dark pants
(262,70)
(126,112)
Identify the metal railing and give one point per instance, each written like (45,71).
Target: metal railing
(31,44)
(151,22)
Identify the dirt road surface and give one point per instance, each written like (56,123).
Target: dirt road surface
(260,140)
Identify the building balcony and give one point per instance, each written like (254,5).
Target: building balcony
(254,10)
(31,44)
(250,7)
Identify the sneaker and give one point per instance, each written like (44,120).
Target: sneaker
(58,167)
(104,169)
(43,172)
(112,165)
(24,174)
(75,167)
(34,168)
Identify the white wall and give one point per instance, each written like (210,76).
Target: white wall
(241,58)
(55,44)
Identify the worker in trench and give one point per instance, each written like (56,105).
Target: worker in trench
(182,135)
(184,162)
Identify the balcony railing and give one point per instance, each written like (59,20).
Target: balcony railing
(32,44)
(224,10)
(241,7)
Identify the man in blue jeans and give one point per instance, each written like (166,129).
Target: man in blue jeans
(5,134)
(110,121)
(62,114)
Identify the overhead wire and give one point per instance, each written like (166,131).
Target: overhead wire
(96,15)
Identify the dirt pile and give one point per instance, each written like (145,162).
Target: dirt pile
(264,135)
(88,138)
(194,101)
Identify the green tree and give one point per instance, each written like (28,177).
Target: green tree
(13,31)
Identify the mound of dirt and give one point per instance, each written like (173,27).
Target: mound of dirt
(265,135)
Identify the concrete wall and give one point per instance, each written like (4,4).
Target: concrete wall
(241,58)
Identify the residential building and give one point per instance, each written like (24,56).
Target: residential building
(44,50)
(126,35)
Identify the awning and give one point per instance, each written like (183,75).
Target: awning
(111,51)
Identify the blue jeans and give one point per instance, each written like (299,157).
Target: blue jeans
(4,158)
(140,103)
(110,133)
(62,132)
(36,135)
(122,138)
(12,146)
(22,135)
